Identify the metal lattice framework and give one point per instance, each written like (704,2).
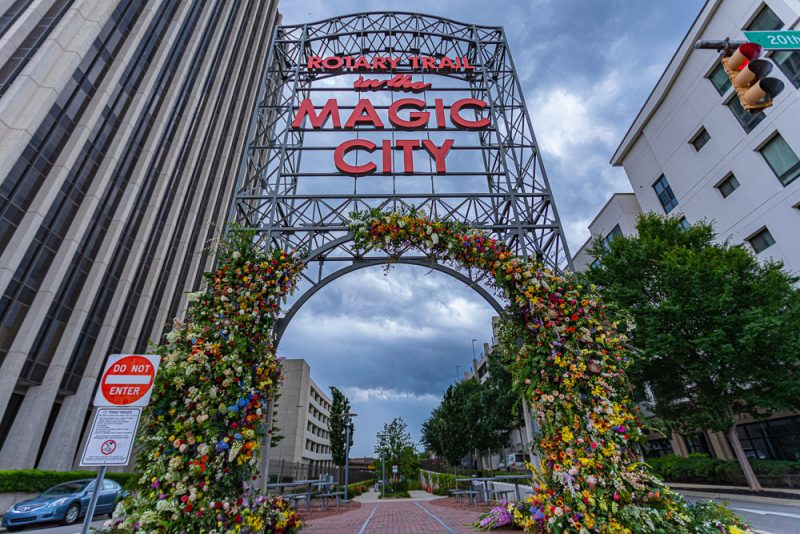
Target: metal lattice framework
(289,190)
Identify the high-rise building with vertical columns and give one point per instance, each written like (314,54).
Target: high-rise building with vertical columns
(122,125)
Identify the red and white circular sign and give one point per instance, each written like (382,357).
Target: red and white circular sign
(127,380)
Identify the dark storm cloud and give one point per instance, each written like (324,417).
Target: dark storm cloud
(586,68)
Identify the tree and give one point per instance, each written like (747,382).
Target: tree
(340,407)
(720,331)
(394,444)
(449,431)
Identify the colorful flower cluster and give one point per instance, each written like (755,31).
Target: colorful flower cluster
(200,436)
(571,368)
(500,516)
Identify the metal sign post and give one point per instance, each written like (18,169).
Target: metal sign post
(125,387)
(98,482)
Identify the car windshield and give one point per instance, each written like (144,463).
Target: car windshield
(67,488)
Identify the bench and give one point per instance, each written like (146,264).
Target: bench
(495,492)
(306,496)
(471,494)
(331,495)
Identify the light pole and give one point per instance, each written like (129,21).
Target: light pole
(383,467)
(473,349)
(347,424)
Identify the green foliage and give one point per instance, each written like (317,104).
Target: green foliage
(704,469)
(473,415)
(36,480)
(396,447)
(336,426)
(438,483)
(717,327)
(356,488)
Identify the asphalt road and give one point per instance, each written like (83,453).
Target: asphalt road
(57,529)
(763,517)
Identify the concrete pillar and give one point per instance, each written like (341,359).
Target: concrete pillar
(679,445)
(719,446)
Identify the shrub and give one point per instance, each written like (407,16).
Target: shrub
(37,480)
(356,488)
(704,469)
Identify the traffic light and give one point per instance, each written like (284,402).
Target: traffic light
(748,75)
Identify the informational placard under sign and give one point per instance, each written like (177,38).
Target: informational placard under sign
(127,380)
(111,438)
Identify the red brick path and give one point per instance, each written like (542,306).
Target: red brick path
(396,518)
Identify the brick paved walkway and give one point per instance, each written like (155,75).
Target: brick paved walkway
(415,517)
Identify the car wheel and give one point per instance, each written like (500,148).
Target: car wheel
(72,513)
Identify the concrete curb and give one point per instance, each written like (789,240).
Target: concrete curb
(738,497)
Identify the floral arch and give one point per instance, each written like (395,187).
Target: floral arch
(201,434)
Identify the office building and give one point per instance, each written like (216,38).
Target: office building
(122,125)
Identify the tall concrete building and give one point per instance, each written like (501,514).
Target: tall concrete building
(693,152)
(303,412)
(122,125)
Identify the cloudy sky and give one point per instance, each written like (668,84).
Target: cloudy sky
(393,341)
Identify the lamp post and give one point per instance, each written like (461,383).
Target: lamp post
(347,424)
(383,467)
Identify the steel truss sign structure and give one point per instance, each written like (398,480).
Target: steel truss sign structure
(392,111)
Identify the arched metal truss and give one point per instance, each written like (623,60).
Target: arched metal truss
(288,190)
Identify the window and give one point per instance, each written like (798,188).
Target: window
(789,63)
(697,443)
(700,140)
(777,439)
(664,193)
(746,119)
(611,235)
(781,159)
(657,447)
(765,20)
(719,79)
(728,185)
(761,240)
(684,223)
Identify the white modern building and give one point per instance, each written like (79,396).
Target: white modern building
(694,152)
(302,415)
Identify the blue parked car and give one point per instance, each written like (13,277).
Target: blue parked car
(65,502)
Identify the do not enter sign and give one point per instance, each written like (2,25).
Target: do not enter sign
(127,380)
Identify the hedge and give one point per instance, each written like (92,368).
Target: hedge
(37,480)
(437,483)
(702,468)
(357,488)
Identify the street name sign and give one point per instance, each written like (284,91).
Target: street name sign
(127,380)
(776,39)
(111,437)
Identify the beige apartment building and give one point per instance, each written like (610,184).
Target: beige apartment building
(302,415)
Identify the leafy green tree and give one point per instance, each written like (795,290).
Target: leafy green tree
(720,331)
(449,431)
(340,407)
(395,445)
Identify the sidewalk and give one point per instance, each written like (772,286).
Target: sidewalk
(416,495)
